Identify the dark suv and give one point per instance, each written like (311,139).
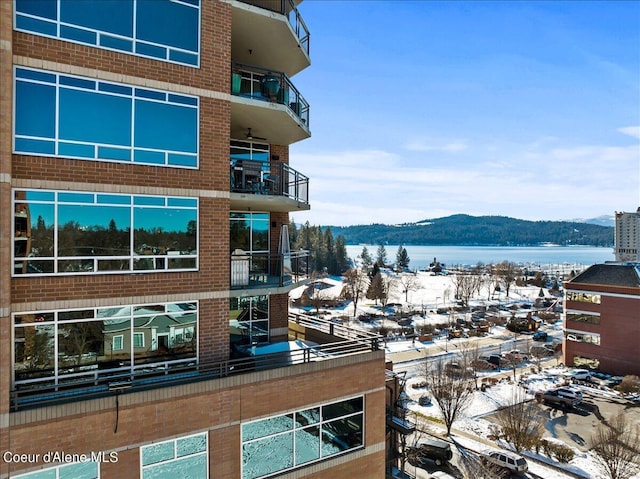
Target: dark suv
(433,449)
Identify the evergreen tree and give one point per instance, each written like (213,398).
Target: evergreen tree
(366,259)
(342,260)
(331,262)
(381,256)
(402,259)
(376,288)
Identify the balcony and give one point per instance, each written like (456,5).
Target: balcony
(270,32)
(268,186)
(311,340)
(268,270)
(267,102)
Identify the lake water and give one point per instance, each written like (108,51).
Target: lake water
(560,258)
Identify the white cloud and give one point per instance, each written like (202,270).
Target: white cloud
(448,147)
(631,131)
(374,186)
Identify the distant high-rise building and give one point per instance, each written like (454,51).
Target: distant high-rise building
(627,236)
(145,265)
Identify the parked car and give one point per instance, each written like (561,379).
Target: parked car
(570,393)
(499,361)
(482,364)
(557,398)
(515,356)
(602,379)
(540,351)
(430,449)
(425,400)
(506,460)
(540,336)
(457,370)
(577,374)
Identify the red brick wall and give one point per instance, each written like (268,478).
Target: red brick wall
(619,330)
(220,411)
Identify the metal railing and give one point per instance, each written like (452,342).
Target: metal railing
(276,179)
(258,270)
(266,85)
(287,8)
(349,341)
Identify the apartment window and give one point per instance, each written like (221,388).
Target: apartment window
(182,457)
(249,232)
(247,150)
(77,470)
(582,337)
(167,30)
(276,444)
(248,321)
(584,318)
(138,340)
(82,118)
(583,297)
(92,233)
(52,345)
(118,343)
(582,362)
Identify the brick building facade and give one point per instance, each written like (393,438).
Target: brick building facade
(145,187)
(602,319)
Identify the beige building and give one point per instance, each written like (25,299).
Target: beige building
(627,236)
(145,266)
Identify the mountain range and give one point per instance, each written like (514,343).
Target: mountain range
(464,229)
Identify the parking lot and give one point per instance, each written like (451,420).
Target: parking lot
(574,426)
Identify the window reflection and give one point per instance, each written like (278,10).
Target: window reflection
(103,339)
(248,322)
(279,443)
(95,233)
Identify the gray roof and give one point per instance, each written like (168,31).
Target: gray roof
(619,274)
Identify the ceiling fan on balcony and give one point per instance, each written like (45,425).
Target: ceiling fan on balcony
(250,136)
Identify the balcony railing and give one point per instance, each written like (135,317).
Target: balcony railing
(260,270)
(287,8)
(265,85)
(275,179)
(348,341)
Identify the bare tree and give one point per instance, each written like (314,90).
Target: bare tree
(520,422)
(617,448)
(470,353)
(408,282)
(356,282)
(466,284)
(451,392)
(507,271)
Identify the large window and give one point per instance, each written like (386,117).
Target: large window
(249,232)
(74,117)
(582,337)
(182,458)
(76,470)
(89,233)
(59,345)
(583,297)
(248,321)
(275,444)
(592,318)
(166,30)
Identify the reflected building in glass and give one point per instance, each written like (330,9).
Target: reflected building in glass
(145,190)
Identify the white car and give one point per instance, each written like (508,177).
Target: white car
(577,374)
(505,459)
(571,393)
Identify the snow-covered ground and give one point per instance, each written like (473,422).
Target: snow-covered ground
(473,430)
(433,292)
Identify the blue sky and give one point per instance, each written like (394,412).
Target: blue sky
(423,109)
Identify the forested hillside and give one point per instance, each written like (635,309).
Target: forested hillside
(479,230)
